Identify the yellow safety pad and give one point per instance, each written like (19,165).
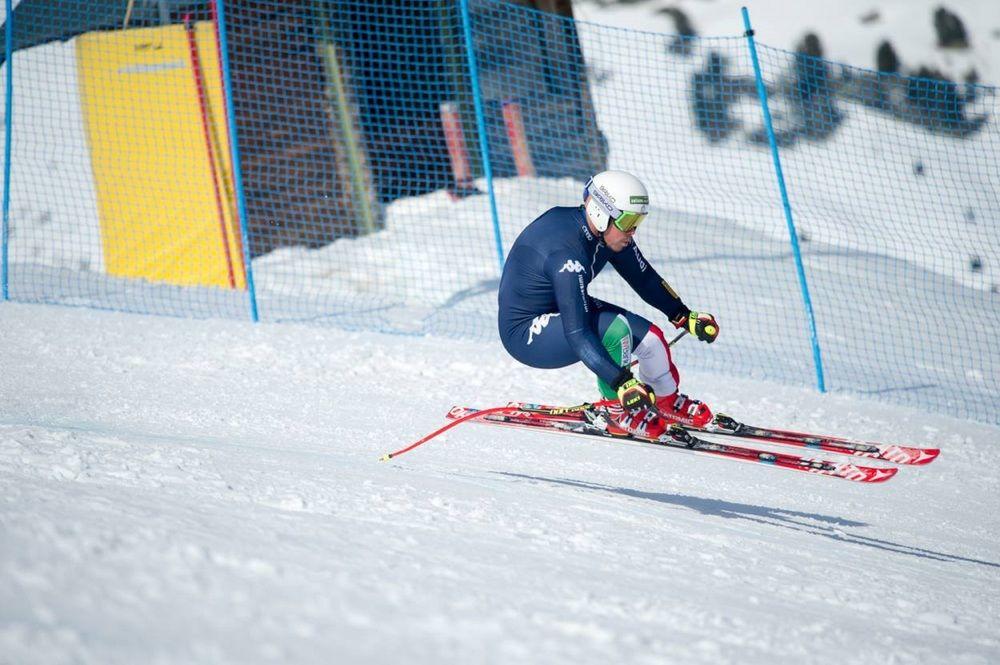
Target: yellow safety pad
(152,164)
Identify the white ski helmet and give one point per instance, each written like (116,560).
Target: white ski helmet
(615,196)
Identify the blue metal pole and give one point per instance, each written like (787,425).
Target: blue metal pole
(8,125)
(799,267)
(234,148)
(484,147)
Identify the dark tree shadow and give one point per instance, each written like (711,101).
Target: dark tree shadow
(825,526)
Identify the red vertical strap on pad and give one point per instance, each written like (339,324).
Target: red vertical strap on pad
(655,329)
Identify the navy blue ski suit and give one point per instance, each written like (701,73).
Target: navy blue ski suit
(547,319)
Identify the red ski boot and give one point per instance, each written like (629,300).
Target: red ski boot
(640,422)
(681,409)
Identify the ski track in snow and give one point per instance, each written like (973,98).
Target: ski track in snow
(208,491)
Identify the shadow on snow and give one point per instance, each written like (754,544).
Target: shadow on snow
(828,527)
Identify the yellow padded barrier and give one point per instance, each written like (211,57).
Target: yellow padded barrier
(163,215)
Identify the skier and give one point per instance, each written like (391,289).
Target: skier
(548,320)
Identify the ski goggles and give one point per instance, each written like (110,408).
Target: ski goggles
(626,221)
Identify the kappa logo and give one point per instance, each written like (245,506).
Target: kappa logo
(538,324)
(572,266)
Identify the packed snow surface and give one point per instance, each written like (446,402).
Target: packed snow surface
(207,491)
(177,491)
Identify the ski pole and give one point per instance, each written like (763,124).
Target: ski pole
(484,412)
(442,430)
(670,343)
(496,409)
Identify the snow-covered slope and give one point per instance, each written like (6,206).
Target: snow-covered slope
(186,491)
(178,491)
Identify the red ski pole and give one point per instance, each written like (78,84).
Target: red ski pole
(479,414)
(442,430)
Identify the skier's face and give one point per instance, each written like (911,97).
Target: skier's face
(616,239)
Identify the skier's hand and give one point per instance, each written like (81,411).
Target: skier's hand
(702,325)
(635,395)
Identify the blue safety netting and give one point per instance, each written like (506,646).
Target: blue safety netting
(390,152)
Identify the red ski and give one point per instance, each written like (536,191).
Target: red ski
(591,424)
(724,425)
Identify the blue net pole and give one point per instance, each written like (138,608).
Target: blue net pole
(8,124)
(234,148)
(484,146)
(360,131)
(792,234)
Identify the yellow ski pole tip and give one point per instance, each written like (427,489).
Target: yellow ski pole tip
(385,458)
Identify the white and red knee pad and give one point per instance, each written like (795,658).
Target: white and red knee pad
(656,366)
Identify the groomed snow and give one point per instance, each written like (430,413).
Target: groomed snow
(178,491)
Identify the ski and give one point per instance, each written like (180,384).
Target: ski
(727,426)
(592,424)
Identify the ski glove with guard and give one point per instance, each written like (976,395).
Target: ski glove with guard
(700,324)
(632,393)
